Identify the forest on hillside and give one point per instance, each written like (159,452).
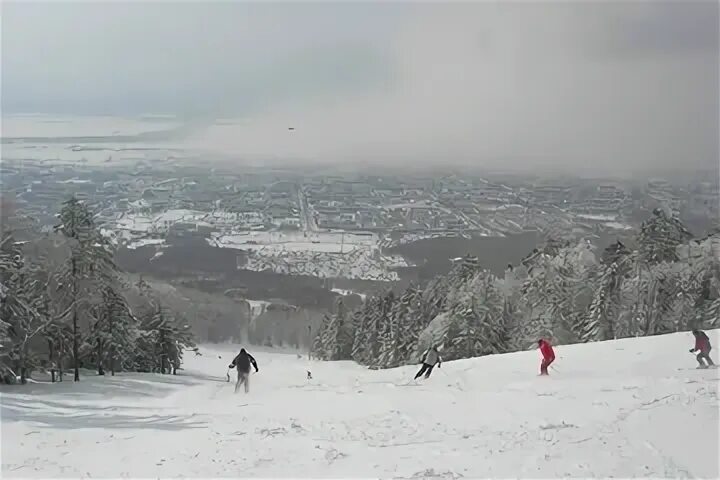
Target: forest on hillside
(666,281)
(65,304)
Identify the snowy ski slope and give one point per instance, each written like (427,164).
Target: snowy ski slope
(628,408)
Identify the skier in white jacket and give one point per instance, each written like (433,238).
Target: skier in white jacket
(430,358)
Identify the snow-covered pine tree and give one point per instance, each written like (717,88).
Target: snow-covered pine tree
(109,306)
(182,339)
(632,305)
(383,350)
(478,324)
(659,237)
(550,248)
(359,328)
(11,265)
(116,333)
(704,267)
(366,334)
(648,296)
(711,314)
(334,340)
(516,310)
(462,337)
(344,340)
(464,270)
(58,333)
(687,303)
(170,336)
(573,291)
(435,294)
(319,350)
(396,337)
(663,290)
(616,253)
(599,323)
(557,290)
(410,324)
(539,282)
(607,315)
(328,337)
(663,295)
(455,340)
(77,226)
(22,309)
(493,327)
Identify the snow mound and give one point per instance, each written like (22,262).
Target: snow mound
(627,408)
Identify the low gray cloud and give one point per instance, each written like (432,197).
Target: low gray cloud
(597,86)
(186,58)
(521,85)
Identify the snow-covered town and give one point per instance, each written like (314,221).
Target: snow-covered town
(331,225)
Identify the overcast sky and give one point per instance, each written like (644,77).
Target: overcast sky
(618,85)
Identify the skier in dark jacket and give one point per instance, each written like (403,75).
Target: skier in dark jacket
(702,348)
(242,363)
(431,357)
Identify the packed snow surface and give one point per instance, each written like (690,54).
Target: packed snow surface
(628,408)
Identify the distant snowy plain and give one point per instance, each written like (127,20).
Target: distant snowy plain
(627,408)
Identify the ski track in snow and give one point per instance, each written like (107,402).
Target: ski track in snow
(621,408)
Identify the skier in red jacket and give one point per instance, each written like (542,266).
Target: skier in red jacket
(548,355)
(702,347)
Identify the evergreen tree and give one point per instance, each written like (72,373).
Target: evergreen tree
(344,339)
(76,224)
(115,332)
(327,338)
(383,347)
(78,308)
(536,293)
(367,345)
(169,337)
(110,308)
(12,307)
(616,253)
(334,339)
(410,324)
(660,236)
(364,324)
(602,315)
(558,291)
(478,325)
(704,268)
(606,312)
(23,313)
(359,326)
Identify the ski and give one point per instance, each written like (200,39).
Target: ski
(711,367)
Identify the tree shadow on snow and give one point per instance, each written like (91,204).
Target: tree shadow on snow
(40,412)
(96,386)
(202,377)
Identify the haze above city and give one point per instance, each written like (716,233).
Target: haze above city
(601,87)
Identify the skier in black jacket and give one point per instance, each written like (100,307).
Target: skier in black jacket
(242,363)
